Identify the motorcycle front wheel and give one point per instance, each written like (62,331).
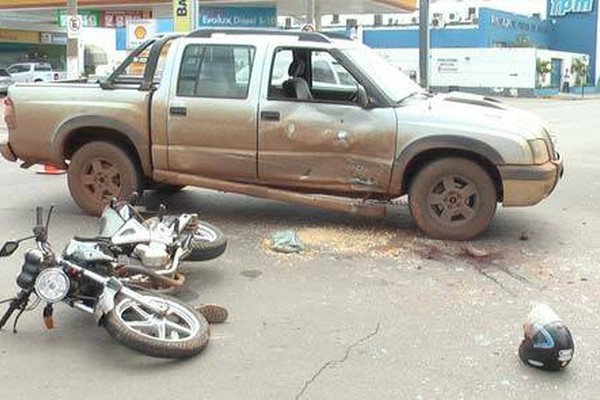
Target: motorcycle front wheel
(179,332)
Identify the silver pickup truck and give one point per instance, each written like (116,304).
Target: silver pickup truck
(256,112)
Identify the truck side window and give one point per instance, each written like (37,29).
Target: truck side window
(331,81)
(18,68)
(215,71)
(311,75)
(43,67)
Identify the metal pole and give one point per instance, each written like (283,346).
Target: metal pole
(310,12)
(72,45)
(424,43)
(318,16)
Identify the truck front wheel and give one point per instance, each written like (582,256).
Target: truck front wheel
(452,198)
(98,172)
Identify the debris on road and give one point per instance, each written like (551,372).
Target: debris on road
(349,240)
(524,236)
(251,273)
(286,242)
(475,252)
(214,313)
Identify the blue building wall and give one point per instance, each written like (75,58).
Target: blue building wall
(409,38)
(495,28)
(507,29)
(577,32)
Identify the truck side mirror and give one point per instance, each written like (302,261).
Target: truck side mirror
(361,96)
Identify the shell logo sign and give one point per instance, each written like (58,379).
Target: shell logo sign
(140,33)
(140,30)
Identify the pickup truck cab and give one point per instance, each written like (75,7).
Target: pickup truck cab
(33,72)
(261,113)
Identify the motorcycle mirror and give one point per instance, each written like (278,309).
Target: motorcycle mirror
(9,248)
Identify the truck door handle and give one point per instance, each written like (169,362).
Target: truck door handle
(178,111)
(270,116)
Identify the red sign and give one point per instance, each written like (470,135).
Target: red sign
(118,19)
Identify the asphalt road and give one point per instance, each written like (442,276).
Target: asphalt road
(373,311)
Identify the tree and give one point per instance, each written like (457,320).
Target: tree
(543,68)
(580,69)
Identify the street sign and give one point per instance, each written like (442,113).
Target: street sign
(140,30)
(91,18)
(238,17)
(74,25)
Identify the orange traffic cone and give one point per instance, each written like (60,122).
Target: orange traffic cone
(50,169)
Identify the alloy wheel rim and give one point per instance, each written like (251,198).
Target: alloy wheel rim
(101,179)
(453,200)
(175,324)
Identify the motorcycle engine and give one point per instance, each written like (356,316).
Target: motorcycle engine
(153,255)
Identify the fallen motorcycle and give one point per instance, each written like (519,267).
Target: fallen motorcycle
(86,279)
(151,246)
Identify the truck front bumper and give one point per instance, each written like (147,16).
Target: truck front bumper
(528,185)
(7,152)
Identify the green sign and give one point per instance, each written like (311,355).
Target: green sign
(91,18)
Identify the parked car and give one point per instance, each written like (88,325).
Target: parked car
(179,112)
(34,72)
(5,81)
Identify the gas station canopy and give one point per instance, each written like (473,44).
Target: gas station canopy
(284,7)
(299,7)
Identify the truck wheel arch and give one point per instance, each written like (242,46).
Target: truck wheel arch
(425,150)
(81,130)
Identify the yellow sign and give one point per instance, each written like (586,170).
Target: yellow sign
(182,15)
(14,36)
(408,5)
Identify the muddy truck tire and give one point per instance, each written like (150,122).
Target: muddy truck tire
(100,171)
(453,199)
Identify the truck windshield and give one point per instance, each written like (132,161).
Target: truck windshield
(390,80)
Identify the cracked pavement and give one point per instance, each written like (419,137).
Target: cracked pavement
(386,315)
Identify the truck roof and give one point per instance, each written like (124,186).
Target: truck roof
(278,36)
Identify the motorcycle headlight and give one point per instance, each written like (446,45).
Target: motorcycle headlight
(539,150)
(52,285)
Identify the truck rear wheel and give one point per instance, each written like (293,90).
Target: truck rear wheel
(98,172)
(452,198)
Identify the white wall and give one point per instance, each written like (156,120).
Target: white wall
(485,67)
(567,61)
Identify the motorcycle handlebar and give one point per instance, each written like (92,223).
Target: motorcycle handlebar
(39,216)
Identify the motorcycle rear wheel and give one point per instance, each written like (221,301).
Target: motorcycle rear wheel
(181,332)
(207,244)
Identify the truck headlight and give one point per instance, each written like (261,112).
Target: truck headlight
(539,150)
(52,285)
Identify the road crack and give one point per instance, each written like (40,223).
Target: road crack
(340,361)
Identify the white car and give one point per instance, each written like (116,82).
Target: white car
(5,81)
(33,72)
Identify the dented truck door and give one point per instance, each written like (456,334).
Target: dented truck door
(322,138)
(212,111)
